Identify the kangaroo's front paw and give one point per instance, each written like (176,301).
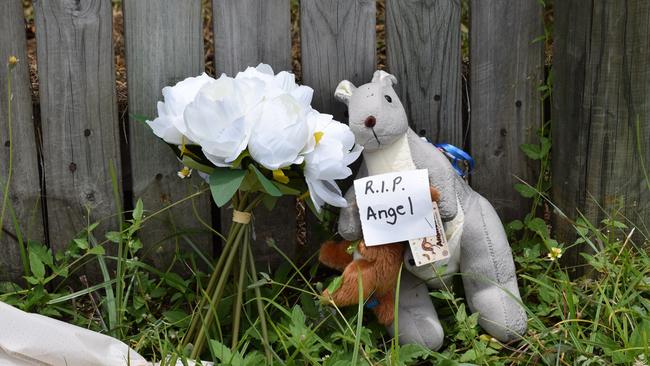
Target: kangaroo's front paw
(435,195)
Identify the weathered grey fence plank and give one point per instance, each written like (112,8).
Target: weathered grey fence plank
(507,67)
(423,47)
(24,188)
(248,32)
(337,43)
(164,45)
(602,88)
(78,113)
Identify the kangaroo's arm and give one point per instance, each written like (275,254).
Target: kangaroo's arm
(349,221)
(442,175)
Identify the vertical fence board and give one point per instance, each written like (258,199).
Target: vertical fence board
(248,32)
(602,88)
(24,188)
(337,43)
(164,45)
(506,70)
(423,47)
(78,113)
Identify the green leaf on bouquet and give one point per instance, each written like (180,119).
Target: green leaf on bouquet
(267,185)
(224,183)
(188,161)
(285,189)
(140,117)
(269,202)
(240,159)
(312,208)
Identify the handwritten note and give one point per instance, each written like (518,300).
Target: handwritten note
(395,207)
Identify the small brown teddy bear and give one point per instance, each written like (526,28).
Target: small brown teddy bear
(379,267)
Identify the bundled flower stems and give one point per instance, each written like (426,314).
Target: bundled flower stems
(253,138)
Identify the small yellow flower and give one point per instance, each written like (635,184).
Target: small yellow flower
(13,60)
(184,173)
(317,136)
(554,254)
(278,175)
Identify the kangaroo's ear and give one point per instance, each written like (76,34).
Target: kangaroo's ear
(344,91)
(383,76)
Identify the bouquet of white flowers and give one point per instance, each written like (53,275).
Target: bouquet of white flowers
(253,138)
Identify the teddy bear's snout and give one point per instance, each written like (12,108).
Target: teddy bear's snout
(370,122)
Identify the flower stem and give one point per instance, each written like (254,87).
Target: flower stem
(197,320)
(260,307)
(216,296)
(243,249)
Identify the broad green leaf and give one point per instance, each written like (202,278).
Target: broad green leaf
(223,354)
(92,226)
(114,236)
(408,353)
(532,151)
(335,284)
(539,226)
(36,265)
(287,190)
(525,190)
(176,317)
(188,161)
(138,210)
(614,223)
(470,355)
(224,183)
(41,252)
(82,243)
(98,250)
(267,185)
(546,146)
(516,225)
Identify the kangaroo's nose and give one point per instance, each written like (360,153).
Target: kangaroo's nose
(370,122)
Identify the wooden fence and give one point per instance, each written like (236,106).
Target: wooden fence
(67,147)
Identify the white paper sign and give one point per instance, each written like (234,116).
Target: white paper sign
(395,207)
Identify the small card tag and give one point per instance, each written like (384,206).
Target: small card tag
(433,248)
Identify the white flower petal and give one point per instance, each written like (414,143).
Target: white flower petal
(169,124)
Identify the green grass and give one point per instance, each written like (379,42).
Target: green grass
(602,318)
(597,320)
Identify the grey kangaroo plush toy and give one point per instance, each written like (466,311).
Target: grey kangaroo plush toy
(477,242)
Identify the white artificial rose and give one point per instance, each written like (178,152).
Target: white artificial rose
(221,117)
(169,124)
(334,151)
(282,131)
(275,85)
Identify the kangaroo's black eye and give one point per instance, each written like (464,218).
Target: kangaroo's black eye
(388,98)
